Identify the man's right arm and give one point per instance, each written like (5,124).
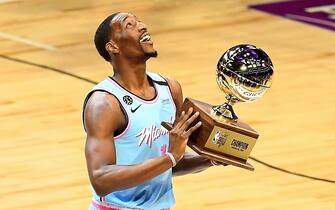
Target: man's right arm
(103,116)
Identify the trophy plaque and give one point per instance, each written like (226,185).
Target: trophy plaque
(243,73)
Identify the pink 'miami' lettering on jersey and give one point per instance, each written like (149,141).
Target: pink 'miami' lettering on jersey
(149,134)
(163,150)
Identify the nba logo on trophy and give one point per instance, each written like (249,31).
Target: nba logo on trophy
(220,138)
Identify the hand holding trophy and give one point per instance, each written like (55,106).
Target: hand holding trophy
(244,73)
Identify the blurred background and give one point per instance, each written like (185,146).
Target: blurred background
(48,63)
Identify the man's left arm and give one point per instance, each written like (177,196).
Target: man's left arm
(191,163)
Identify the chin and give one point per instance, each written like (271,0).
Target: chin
(151,54)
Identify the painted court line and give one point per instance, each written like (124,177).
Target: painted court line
(27,41)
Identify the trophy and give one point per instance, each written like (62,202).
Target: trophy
(243,73)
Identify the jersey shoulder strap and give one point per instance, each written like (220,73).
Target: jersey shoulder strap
(158,79)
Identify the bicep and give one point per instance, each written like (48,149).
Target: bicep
(99,152)
(102,118)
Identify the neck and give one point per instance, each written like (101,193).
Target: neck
(131,75)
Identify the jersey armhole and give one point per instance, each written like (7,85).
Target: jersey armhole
(118,131)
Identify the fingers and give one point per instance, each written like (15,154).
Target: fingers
(185,120)
(183,117)
(189,121)
(187,115)
(217,163)
(192,129)
(179,121)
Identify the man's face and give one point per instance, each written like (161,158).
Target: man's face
(132,36)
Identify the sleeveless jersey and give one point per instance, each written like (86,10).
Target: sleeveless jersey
(141,140)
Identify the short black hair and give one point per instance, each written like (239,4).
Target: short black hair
(102,36)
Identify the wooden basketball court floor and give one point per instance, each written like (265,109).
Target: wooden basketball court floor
(42,164)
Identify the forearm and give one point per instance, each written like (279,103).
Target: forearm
(112,178)
(191,163)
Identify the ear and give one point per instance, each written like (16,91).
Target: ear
(112,47)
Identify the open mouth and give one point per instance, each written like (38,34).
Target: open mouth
(146,38)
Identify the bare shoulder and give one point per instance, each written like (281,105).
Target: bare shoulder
(176,91)
(103,114)
(174,84)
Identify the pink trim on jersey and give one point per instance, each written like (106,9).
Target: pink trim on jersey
(101,207)
(138,98)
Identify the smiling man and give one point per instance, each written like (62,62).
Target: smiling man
(130,158)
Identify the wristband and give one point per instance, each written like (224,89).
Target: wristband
(174,163)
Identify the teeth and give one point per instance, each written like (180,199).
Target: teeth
(145,38)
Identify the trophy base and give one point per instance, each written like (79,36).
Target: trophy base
(221,139)
(230,160)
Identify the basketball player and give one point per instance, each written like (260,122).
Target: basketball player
(130,159)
